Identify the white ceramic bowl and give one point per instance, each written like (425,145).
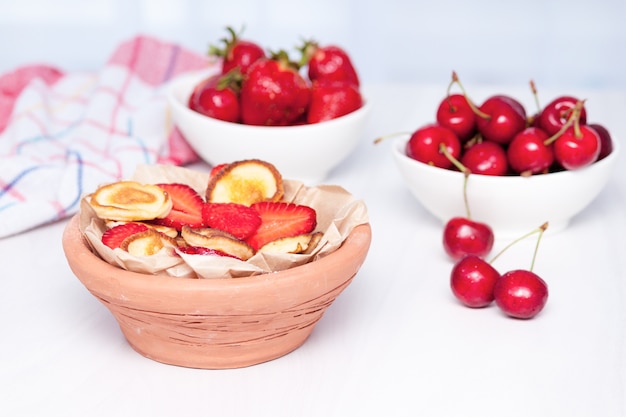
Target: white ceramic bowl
(511,205)
(305,152)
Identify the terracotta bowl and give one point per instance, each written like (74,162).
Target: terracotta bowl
(217,323)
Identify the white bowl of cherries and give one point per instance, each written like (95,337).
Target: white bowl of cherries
(496,165)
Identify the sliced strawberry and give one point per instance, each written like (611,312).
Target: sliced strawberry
(280,219)
(186,207)
(114,236)
(237,219)
(216,169)
(199,250)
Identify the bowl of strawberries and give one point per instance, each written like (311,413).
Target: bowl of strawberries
(216,270)
(305,116)
(498,165)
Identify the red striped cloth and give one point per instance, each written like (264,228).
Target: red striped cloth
(64,133)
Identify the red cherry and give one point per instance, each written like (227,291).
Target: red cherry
(556,113)
(217,97)
(425,145)
(528,154)
(486,158)
(521,294)
(577,148)
(472,281)
(463,236)
(500,118)
(455,113)
(606,143)
(519,108)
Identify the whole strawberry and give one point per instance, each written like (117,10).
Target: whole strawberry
(330,100)
(328,63)
(218,97)
(273,93)
(237,53)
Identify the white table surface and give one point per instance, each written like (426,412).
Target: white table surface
(395,343)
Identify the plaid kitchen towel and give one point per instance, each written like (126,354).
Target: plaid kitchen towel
(63,134)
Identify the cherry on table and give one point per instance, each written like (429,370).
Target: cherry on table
(521,293)
(472,281)
(463,236)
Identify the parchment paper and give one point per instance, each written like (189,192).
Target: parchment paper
(338,212)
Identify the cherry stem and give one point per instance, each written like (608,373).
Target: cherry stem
(573,119)
(542,229)
(392,135)
(533,88)
(448,90)
(576,115)
(453,81)
(539,230)
(466,173)
(476,110)
(444,150)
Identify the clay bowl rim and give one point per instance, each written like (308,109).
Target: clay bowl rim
(82,262)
